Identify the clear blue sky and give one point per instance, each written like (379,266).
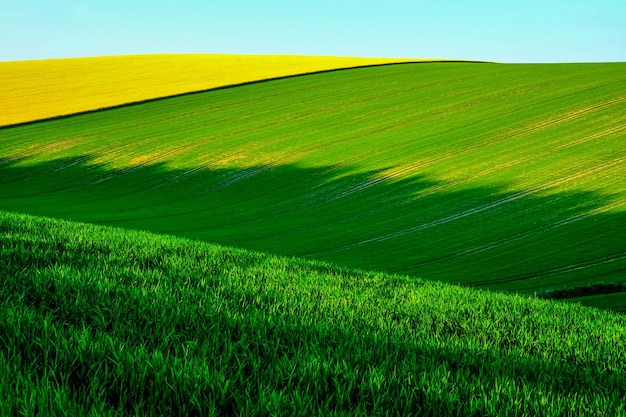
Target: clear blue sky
(495,30)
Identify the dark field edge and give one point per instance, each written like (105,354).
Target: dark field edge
(586,291)
(264,80)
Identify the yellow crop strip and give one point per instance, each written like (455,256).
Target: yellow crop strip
(33,90)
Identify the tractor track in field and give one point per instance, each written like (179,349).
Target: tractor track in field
(238,202)
(308,115)
(509,164)
(451,184)
(529,130)
(147,162)
(257,170)
(494,204)
(303,152)
(387,127)
(207,165)
(56,168)
(491,245)
(555,271)
(442,187)
(23,154)
(522,235)
(151,123)
(251,172)
(116,173)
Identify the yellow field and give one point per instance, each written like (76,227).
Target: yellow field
(32,90)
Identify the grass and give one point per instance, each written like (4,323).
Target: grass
(33,90)
(508,177)
(112,322)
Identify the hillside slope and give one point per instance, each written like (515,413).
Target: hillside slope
(103,321)
(33,90)
(504,176)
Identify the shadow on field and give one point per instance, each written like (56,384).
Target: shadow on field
(527,241)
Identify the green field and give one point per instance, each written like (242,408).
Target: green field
(100,321)
(509,177)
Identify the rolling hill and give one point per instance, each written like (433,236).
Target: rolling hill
(509,177)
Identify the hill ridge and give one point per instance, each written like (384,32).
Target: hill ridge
(47,89)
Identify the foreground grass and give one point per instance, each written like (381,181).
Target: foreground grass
(33,90)
(503,176)
(103,321)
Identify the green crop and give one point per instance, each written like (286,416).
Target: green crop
(112,322)
(509,177)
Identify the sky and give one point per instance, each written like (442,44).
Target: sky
(498,30)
